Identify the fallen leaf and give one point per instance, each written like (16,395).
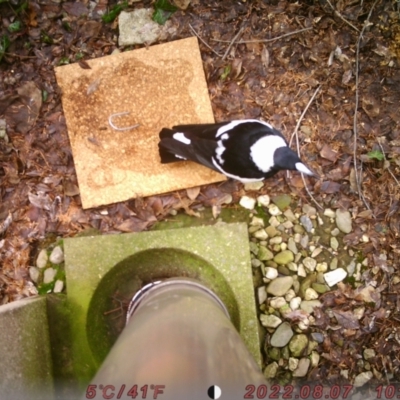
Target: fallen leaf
(328,153)
(192,193)
(346,319)
(330,187)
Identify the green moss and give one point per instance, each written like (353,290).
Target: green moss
(182,220)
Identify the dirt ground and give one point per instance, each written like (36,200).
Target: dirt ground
(338,60)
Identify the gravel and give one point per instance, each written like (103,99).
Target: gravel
(297,255)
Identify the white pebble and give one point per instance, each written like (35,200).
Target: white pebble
(263,200)
(276,240)
(335,276)
(247,202)
(295,303)
(329,213)
(42,258)
(261,234)
(310,294)
(58,286)
(322,267)
(257,222)
(273,221)
(34,274)
(274,209)
(304,324)
(290,295)
(277,302)
(57,255)
(365,238)
(49,275)
(301,271)
(316,252)
(271,273)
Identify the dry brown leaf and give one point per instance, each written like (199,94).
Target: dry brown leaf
(192,193)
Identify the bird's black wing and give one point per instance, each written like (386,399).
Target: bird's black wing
(199,150)
(204,131)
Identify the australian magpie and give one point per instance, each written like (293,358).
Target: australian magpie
(247,150)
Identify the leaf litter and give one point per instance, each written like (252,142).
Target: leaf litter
(261,60)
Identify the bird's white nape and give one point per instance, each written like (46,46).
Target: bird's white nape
(233,124)
(302,168)
(262,152)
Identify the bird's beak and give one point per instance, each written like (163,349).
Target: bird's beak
(303,169)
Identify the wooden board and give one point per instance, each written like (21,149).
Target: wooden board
(161,86)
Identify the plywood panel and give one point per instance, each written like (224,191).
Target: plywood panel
(160,86)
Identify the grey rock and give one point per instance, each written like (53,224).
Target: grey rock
(308,305)
(334,243)
(304,241)
(280,286)
(343,221)
(137,27)
(309,210)
(318,337)
(307,223)
(369,353)
(302,368)
(292,246)
(57,255)
(282,335)
(363,378)
(253,185)
(262,294)
(334,263)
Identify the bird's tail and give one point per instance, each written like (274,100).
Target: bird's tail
(164,147)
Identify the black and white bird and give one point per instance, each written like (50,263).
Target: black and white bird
(247,150)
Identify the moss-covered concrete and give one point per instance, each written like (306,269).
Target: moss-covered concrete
(59,316)
(25,360)
(217,255)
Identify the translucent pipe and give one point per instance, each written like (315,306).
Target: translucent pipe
(178,344)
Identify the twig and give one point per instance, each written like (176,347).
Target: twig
(300,120)
(19,56)
(337,13)
(232,43)
(295,133)
(127,128)
(202,41)
(388,168)
(355,132)
(264,40)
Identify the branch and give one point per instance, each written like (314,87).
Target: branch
(263,40)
